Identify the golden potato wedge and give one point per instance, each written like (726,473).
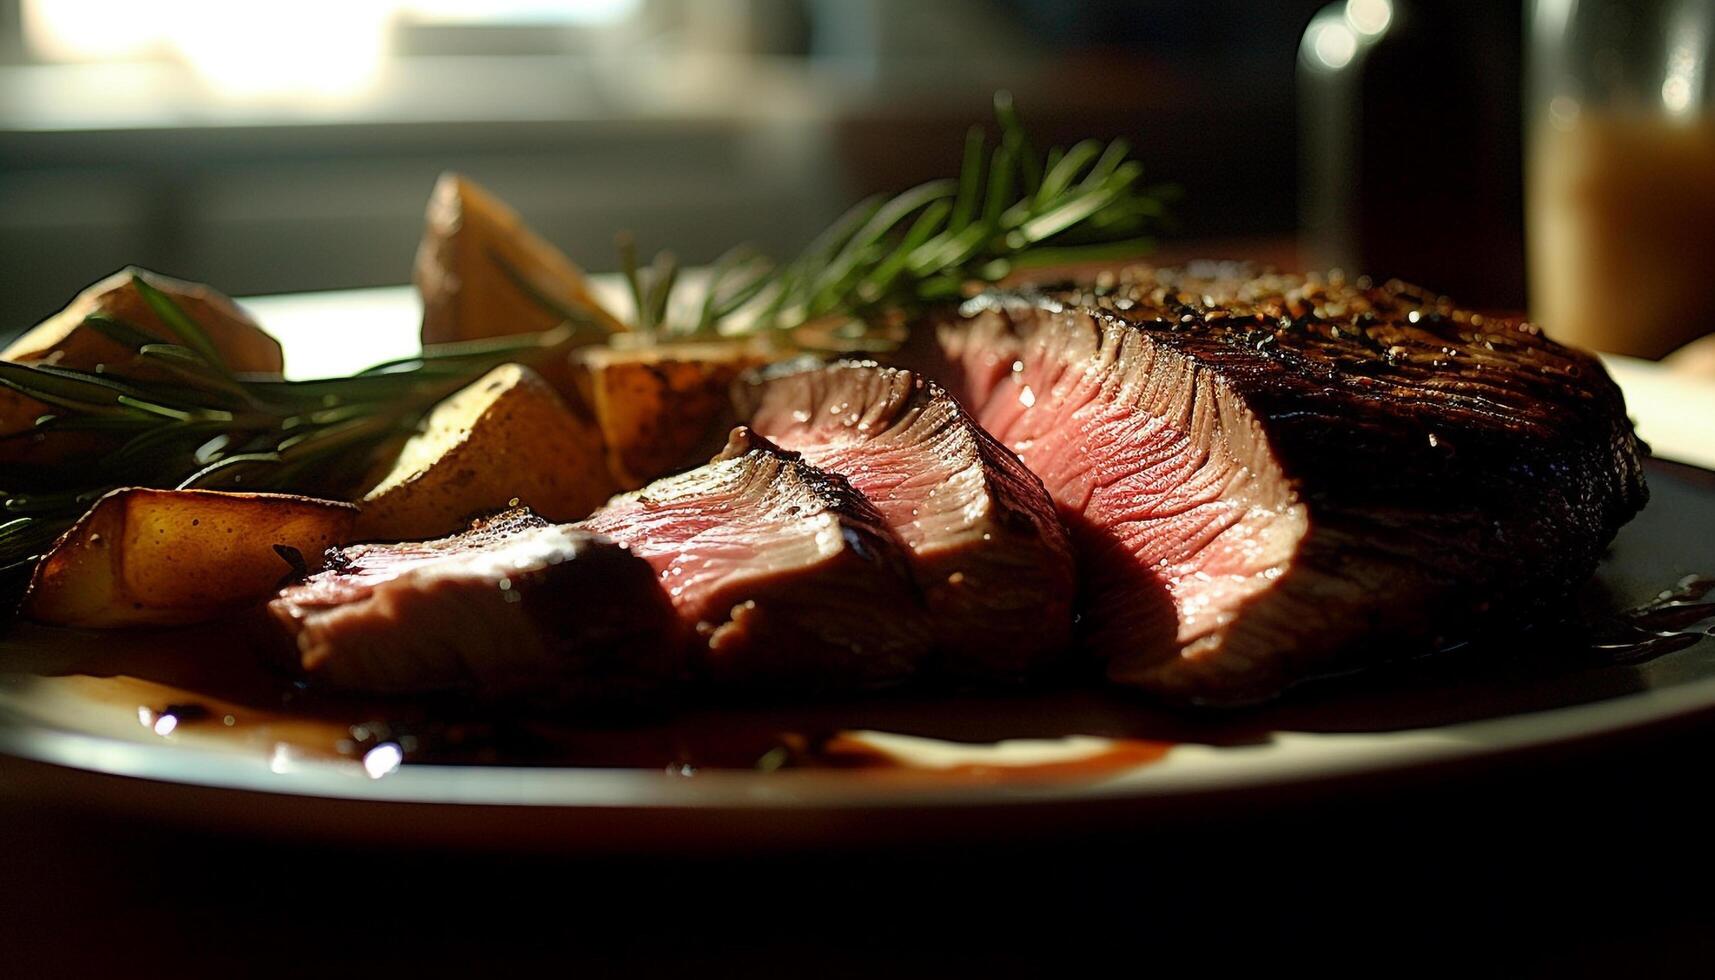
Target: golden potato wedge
(661,406)
(63,340)
(505,437)
(22,444)
(166,557)
(18,414)
(483,273)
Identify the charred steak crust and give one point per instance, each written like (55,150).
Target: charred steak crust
(789,578)
(513,607)
(1422,472)
(987,549)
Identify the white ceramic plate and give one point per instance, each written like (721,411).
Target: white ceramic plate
(1070,757)
(1066,757)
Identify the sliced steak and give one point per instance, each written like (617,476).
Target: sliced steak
(788,575)
(1269,477)
(988,552)
(514,606)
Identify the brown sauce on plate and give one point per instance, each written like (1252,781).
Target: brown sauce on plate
(211,686)
(183,686)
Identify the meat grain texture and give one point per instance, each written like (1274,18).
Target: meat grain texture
(986,547)
(789,578)
(514,607)
(1270,477)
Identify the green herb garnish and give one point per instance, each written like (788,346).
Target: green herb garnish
(188,421)
(1008,210)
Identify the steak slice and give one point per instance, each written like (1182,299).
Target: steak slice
(988,552)
(789,577)
(514,606)
(1269,477)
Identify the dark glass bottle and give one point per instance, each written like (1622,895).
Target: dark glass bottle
(1410,145)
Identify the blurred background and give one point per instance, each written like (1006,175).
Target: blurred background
(271,148)
(267,148)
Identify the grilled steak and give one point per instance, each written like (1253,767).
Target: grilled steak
(987,550)
(514,606)
(1268,477)
(789,576)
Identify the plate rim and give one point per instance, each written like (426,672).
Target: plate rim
(1287,758)
(1188,769)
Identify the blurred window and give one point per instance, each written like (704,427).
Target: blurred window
(307,47)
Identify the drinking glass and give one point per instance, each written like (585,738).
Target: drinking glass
(1620,172)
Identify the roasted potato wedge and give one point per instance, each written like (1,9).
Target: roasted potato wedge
(661,407)
(165,557)
(483,273)
(507,437)
(18,442)
(23,443)
(64,340)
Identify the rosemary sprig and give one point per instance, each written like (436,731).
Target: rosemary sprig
(1007,210)
(176,416)
(188,421)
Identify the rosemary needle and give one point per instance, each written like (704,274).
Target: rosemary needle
(196,424)
(189,421)
(1007,210)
